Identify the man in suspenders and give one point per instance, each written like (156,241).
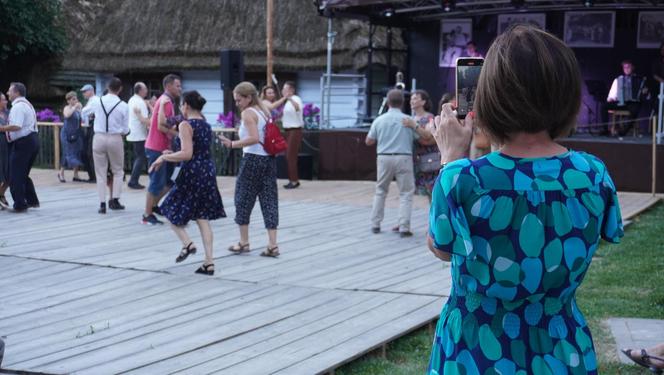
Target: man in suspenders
(107,146)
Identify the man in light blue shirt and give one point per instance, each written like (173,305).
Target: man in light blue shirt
(395,160)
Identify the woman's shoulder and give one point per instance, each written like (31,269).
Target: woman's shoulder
(584,161)
(459,174)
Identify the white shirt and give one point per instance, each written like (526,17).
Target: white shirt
(137,131)
(622,90)
(89,110)
(117,119)
(256,149)
(22,114)
(291,118)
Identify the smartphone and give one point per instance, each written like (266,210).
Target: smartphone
(467,74)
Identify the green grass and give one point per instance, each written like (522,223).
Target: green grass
(625,280)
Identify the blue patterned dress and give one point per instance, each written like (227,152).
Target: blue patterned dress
(195,194)
(71,139)
(521,233)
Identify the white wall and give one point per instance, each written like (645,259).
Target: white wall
(208,84)
(344,103)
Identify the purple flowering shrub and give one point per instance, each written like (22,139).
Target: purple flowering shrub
(311,115)
(47,115)
(228,119)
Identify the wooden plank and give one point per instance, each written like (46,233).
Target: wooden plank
(375,319)
(260,341)
(355,347)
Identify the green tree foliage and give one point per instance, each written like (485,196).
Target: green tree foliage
(30,28)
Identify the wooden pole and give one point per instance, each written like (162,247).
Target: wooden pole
(270,16)
(654,156)
(56,147)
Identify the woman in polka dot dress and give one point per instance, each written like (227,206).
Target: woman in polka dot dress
(520,226)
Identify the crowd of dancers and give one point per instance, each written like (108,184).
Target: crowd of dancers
(172,138)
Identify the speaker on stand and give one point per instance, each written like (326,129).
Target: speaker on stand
(232,72)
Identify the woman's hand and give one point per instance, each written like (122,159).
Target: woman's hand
(452,136)
(224,141)
(166,152)
(157,164)
(409,123)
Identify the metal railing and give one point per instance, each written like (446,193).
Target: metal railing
(227,162)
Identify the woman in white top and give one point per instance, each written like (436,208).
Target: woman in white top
(293,123)
(257,176)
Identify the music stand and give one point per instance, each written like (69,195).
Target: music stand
(598,90)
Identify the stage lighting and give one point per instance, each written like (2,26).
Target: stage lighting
(448,5)
(587,3)
(389,12)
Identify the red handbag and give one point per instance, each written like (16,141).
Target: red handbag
(274,143)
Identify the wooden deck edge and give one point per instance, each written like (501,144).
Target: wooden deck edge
(643,209)
(381,345)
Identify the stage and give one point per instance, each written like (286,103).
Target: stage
(341,154)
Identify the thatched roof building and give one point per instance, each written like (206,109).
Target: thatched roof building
(164,35)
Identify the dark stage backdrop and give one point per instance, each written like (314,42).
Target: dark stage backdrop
(598,64)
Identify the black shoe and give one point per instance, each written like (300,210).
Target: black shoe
(135,186)
(157,210)
(76,179)
(114,204)
(19,210)
(91,181)
(291,185)
(375,230)
(206,269)
(151,220)
(405,234)
(185,252)
(102,208)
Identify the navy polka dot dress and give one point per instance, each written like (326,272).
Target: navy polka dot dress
(195,194)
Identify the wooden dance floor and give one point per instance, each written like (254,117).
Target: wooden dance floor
(100,294)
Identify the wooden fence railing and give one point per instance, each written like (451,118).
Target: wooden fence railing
(226,161)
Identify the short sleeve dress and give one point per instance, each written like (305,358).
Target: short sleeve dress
(423,180)
(521,233)
(71,139)
(195,194)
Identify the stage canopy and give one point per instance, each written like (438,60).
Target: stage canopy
(402,13)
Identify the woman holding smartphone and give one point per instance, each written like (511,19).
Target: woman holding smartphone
(519,225)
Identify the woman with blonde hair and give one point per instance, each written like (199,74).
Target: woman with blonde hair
(521,224)
(71,137)
(257,176)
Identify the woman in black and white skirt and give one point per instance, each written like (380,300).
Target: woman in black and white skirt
(257,176)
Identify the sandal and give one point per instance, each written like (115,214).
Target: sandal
(271,252)
(644,360)
(206,269)
(61,178)
(239,248)
(185,252)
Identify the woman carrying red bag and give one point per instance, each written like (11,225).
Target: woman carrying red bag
(257,176)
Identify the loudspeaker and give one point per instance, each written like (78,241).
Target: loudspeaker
(232,68)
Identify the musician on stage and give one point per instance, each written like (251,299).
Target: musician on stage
(626,93)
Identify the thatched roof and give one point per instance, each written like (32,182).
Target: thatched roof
(159,35)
